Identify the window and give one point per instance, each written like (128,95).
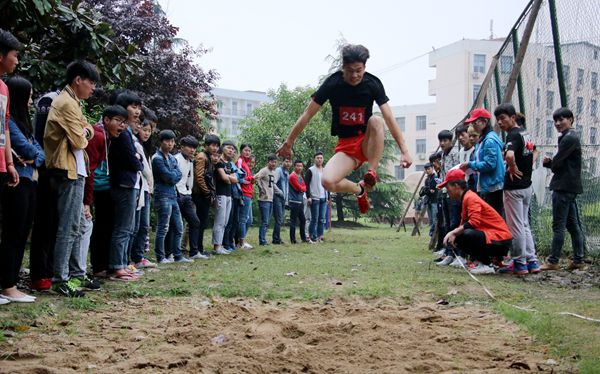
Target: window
(550,70)
(579,106)
(401,121)
(419,167)
(476,89)
(219,105)
(566,74)
(549,100)
(234,108)
(249,109)
(479,64)
(234,128)
(421,146)
(399,172)
(580,73)
(421,122)
(549,128)
(594,81)
(593,135)
(595,55)
(538,127)
(593,162)
(538,98)
(538,68)
(593,108)
(506,63)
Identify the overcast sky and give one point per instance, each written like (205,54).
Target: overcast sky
(257,45)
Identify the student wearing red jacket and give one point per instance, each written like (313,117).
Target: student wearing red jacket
(295,201)
(247,185)
(482,232)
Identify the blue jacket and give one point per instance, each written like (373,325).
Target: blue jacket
(27,149)
(489,163)
(283,177)
(166,175)
(123,163)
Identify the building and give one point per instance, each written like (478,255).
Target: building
(233,106)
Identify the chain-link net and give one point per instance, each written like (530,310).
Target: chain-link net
(540,90)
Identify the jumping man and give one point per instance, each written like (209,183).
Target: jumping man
(351,93)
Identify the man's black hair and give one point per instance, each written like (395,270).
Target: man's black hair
(149,114)
(561,113)
(462,128)
(445,134)
(427,165)
(189,141)
(319,153)
(166,135)
(8,42)
(82,69)
(505,108)
(19,89)
(229,143)
(459,182)
(212,139)
(352,53)
(272,157)
(112,98)
(521,120)
(114,111)
(128,98)
(298,162)
(435,156)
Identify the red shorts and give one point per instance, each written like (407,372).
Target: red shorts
(353,148)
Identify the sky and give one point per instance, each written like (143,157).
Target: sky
(260,44)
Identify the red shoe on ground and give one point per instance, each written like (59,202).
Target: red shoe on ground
(362,200)
(370,178)
(41,284)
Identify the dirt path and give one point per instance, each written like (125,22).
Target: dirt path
(246,336)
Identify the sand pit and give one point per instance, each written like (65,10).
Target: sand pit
(248,336)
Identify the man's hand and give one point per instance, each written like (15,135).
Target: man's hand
(309,201)
(514,172)
(547,160)
(285,150)
(450,238)
(464,166)
(13,175)
(406,160)
(87,211)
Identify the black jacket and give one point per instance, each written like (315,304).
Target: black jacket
(429,190)
(566,164)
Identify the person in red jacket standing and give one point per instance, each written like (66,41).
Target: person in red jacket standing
(247,185)
(482,232)
(296,202)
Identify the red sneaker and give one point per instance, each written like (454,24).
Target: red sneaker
(41,284)
(362,200)
(370,178)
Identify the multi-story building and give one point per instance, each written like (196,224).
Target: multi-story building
(233,106)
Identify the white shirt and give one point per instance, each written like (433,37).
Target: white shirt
(80,160)
(184,186)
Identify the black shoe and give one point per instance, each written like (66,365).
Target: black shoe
(278,242)
(67,289)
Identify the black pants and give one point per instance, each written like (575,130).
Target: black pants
(45,226)
(18,208)
(104,215)
(297,214)
(472,242)
(202,210)
(495,200)
(232,224)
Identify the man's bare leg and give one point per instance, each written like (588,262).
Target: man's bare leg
(335,172)
(372,145)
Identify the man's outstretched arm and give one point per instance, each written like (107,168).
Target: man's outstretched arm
(390,122)
(286,148)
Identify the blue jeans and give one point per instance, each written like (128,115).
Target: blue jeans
(266,210)
(125,200)
(139,237)
(232,224)
(279,215)
(432,213)
(244,217)
(188,212)
(67,250)
(318,212)
(565,214)
(168,215)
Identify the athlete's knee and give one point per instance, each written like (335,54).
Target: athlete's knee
(329,183)
(376,123)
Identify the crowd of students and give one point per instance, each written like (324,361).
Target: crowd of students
(85,192)
(478,194)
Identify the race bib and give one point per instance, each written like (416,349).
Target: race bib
(352,116)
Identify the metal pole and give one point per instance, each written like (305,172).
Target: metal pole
(497,81)
(516,69)
(515,39)
(411,200)
(557,54)
(486,83)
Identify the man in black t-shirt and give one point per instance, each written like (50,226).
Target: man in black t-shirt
(518,154)
(351,93)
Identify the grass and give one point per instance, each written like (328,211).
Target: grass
(374,262)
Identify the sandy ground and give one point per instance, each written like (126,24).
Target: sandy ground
(247,336)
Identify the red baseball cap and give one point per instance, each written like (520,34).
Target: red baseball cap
(478,113)
(453,175)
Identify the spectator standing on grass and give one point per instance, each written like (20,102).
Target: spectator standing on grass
(482,232)
(224,179)
(166,175)
(280,199)
(297,189)
(204,190)
(18,202)
(565,186)
(429,193)
(316,195)
(265,180)
(66,135)
(518,154)
(247,185)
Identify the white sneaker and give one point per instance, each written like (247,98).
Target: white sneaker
(165,261)
(171,258)
(446,261)
(482,269)
(3,301)
(184,260)
(458,262)
(247,246)
(222,251)
(199,256)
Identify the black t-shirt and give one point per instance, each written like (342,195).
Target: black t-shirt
(222,188)
(352,106)
(521,143)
